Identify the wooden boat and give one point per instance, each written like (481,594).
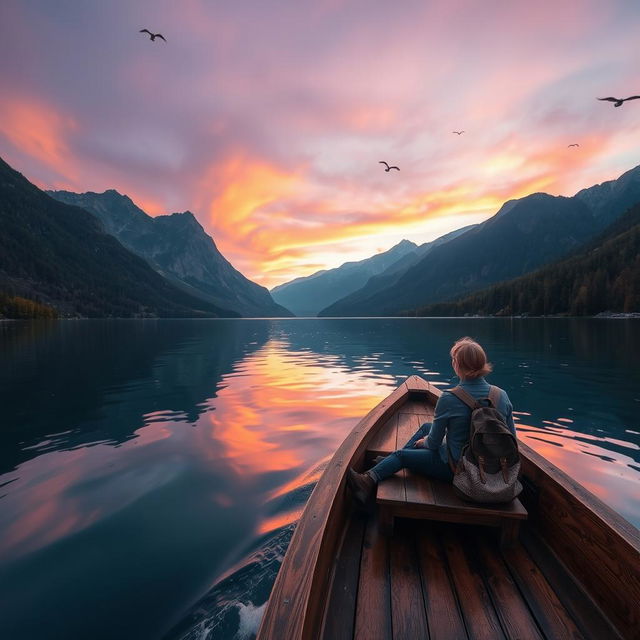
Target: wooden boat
(573,573)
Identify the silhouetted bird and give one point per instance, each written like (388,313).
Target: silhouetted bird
(573,145)
(458,132)
(618,101)
(153,36)
(388,167)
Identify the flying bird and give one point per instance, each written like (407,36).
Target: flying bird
(573,145)
(153,36)
(388,167)
(458,132)
(618,101)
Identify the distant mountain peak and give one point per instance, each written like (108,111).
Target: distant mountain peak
(183,220)
(116,196)
(539,195)
(629,175)
(185,216)
(608,199)
(306,296)
(510,205)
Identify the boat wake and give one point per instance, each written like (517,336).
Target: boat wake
(233,607)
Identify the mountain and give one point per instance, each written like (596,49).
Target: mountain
(178,248)
(306,296)
(534,230)
(604,275)
(390,276)
(610,199)
(523,235)
(60,256)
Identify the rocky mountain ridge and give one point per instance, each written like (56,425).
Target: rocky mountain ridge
(177,247)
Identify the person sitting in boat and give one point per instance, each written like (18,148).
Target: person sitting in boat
(427,452)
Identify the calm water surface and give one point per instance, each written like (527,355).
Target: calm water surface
(151,472)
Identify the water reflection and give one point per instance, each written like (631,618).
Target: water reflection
(615,481)
(145,461)
(68,384)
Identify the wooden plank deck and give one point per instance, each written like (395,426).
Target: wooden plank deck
(444,581)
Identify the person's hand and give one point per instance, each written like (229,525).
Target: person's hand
(419,444)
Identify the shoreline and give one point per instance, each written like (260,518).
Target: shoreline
(603,314)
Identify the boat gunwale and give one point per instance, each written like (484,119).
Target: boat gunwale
(616,523)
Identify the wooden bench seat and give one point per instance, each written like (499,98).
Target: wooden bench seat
(409,495)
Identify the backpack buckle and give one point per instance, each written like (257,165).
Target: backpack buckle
(503,466)
(483,477)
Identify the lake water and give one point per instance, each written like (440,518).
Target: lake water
(151,471)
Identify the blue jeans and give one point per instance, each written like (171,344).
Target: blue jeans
(424,461)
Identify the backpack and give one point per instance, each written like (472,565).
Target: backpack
(489,465)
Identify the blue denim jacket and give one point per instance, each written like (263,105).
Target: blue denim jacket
(452,418)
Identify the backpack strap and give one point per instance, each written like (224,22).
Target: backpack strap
(494,396)
(466,397)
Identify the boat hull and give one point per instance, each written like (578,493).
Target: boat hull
(590,555)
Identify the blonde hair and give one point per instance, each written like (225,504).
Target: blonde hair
(470,358)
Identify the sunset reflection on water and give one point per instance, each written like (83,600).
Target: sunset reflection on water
(279,411)
(283,411)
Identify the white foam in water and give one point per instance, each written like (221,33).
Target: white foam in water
(250,618)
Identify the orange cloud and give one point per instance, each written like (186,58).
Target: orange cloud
(37,130)
(245,186)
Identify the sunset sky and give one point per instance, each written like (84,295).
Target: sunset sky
(267,118)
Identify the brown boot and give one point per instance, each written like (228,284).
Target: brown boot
(362,485)
(378,460)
